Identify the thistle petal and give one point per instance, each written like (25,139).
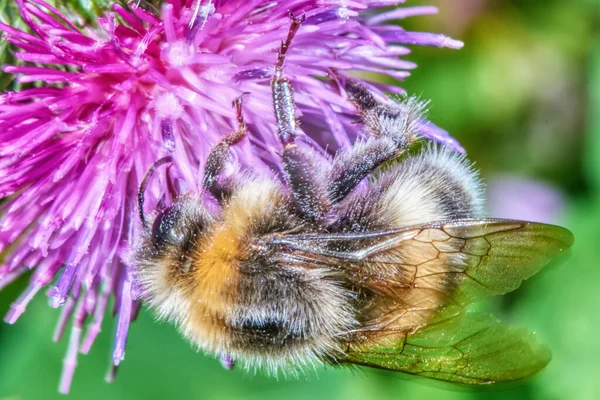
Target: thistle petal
(115,97)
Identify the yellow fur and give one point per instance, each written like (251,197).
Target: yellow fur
(217,259)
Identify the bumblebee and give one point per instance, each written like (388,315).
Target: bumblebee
(339,261)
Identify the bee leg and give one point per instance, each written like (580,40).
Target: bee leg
(219,185)
(391,130)
(352,166)
(299,164)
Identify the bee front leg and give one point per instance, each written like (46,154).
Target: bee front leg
(391,129)
(299,163)
(215,181)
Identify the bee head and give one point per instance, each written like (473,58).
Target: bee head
(163,252)
(165,255)
(167,239)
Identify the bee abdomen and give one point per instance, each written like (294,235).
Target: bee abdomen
(435,185)
(285,316)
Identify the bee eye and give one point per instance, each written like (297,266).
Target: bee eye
(164,228)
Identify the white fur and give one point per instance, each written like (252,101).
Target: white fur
(401,119)
(412,196)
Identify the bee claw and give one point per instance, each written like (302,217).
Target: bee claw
(298,20)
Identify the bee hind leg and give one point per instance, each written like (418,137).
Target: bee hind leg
(299,162)
(216,181)
(352,166)
(391,130)
(397,120)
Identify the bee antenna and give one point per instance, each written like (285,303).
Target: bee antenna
(144,185)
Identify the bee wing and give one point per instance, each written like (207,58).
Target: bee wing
(462,260)
(469,348)
(416,283)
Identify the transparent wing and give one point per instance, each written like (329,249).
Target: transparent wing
(414,284)
(462,260)
(468,348)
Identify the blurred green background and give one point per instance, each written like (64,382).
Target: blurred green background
(523,97)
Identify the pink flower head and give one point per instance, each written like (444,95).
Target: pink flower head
(112,100)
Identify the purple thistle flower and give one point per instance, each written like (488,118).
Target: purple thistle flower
(114,99)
